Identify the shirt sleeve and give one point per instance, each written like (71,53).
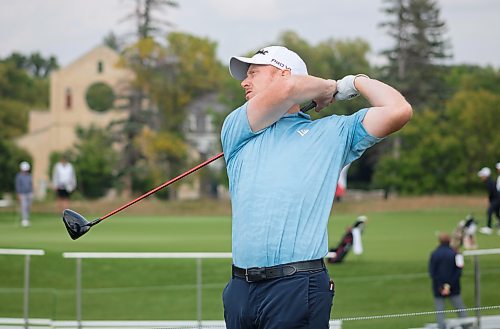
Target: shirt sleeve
(357,139)
(236,131)
(18,183)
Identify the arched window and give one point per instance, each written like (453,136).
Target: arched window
(100,67)
(68,99)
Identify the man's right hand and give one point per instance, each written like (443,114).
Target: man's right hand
(328,97)
(445,291)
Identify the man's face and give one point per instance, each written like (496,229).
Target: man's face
(258,78)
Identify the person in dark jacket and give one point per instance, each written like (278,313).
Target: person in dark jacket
(493,198)
(445,269)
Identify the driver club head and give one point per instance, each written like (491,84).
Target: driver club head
(76,224)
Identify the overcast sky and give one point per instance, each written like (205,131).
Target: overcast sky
(69,28)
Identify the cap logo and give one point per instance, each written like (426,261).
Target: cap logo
(262,51)
(280,64)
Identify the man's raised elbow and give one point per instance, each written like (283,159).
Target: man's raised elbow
(401,114)
(406,112)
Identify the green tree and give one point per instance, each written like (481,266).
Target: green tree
(95,161)
(414,62)
(141,57)
(17,83)
(177,74)
(10,157)
(148,25)
(35,64)
(472,117)
(18,93)
(113,41)
(13,118)
(441,153)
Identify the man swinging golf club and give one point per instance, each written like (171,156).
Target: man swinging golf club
(283,169)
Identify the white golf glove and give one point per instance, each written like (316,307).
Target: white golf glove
(346,89)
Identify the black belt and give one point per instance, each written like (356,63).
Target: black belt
(255,274)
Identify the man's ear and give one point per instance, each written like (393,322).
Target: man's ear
(286,72)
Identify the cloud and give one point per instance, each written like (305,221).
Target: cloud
(69,28)
(254,9)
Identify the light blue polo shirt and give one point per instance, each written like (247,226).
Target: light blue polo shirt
(282,182)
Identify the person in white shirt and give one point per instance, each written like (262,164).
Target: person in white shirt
(64,182)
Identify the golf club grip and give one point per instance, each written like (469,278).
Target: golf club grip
(308,107)
(173,180)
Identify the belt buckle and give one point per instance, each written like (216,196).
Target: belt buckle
(255,274)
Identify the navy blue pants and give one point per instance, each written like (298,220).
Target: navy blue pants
(303,300)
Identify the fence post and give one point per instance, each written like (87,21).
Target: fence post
(199,291)
(27,253)
(477,279)
(79,292)
(26,291)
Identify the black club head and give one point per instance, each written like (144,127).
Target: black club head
(75,223)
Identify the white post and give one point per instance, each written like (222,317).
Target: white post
(199,291)
(27,253)
(26,290)
(79,292)
(477,291)
(134,255)
(477,277)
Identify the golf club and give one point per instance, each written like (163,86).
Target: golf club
(77,225)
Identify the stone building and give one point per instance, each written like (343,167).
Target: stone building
(54,130)
(71,105)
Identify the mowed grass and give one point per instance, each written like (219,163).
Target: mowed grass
(390,277)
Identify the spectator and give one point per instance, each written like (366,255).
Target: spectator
(445,269)
(493,198)
(342,184)
(498,176)
(64,182)
(24,191)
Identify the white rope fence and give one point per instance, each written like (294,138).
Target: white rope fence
(402,315)
(334,323)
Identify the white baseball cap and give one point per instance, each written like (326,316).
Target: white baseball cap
(362,218)
(497,165)
(277,56)
(24,166)
(484,172)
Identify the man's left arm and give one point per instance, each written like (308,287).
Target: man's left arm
(389,112)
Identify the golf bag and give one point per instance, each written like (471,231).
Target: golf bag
(465,234)
(350,240)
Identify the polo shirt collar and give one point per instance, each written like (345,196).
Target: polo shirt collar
(297,114)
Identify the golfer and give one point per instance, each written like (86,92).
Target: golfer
(493,198)
(283,169)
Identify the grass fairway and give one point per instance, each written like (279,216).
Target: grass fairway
(389,278)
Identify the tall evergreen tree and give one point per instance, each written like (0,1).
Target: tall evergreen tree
(414,63)
(142,56)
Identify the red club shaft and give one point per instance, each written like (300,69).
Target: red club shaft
(173,180)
